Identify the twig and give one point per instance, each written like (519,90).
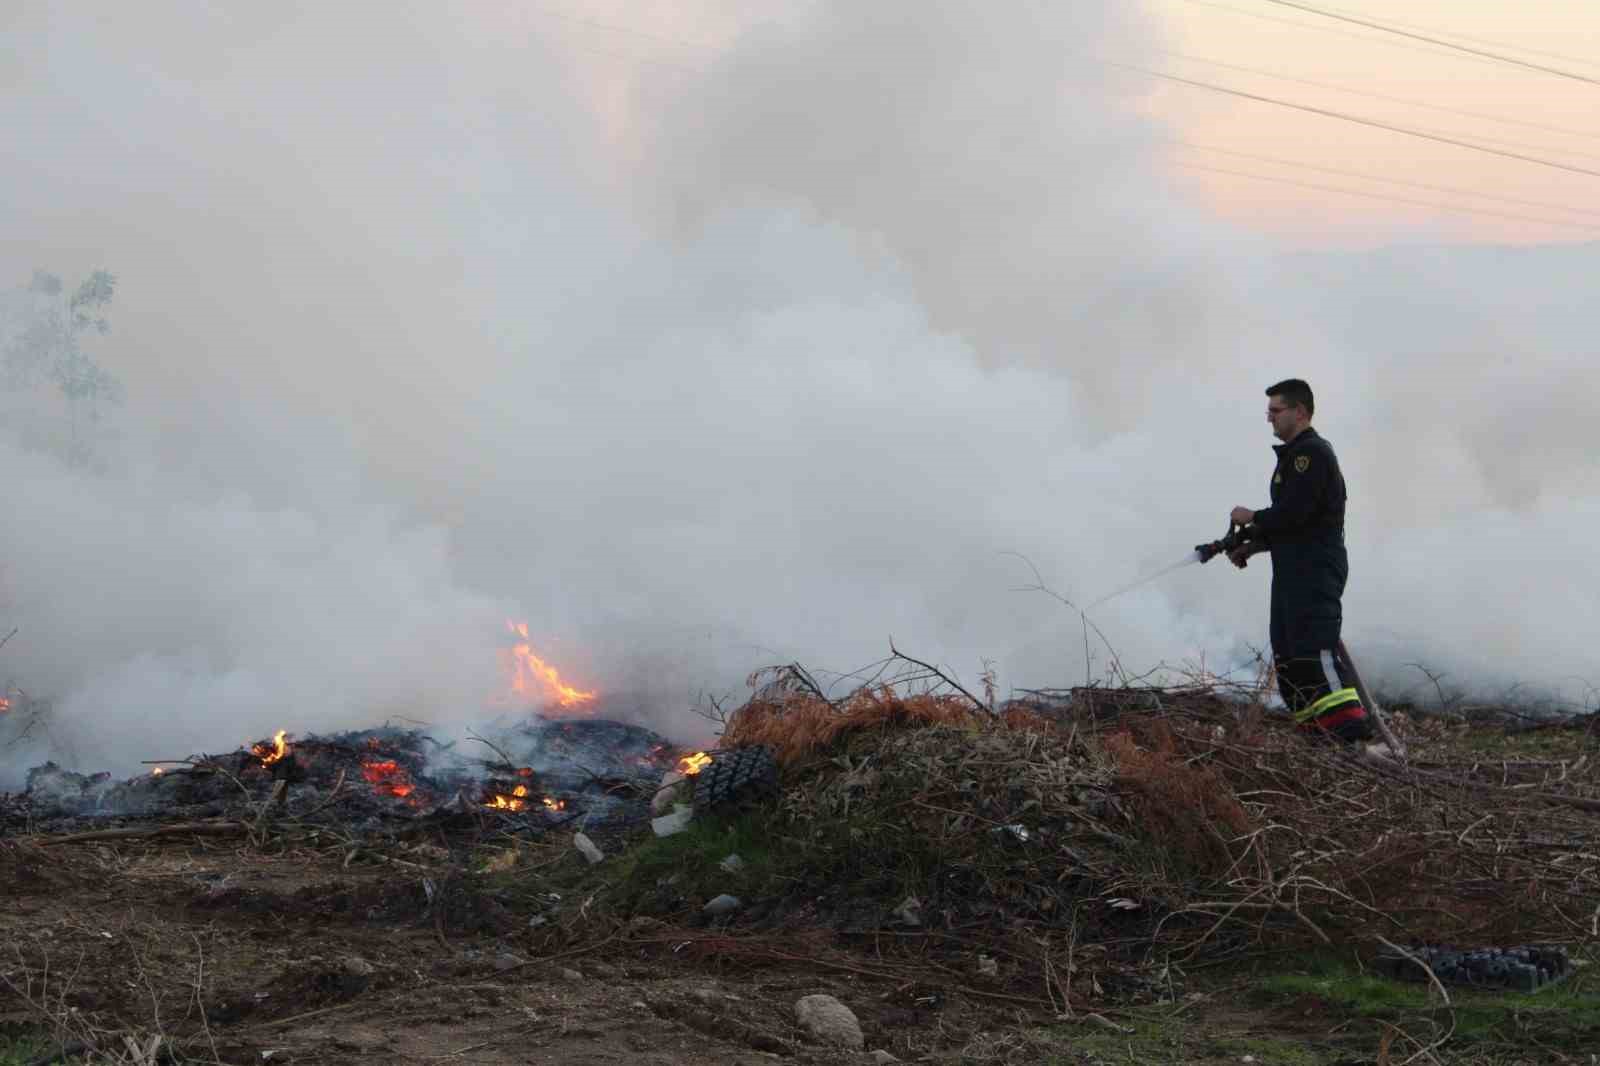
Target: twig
(506,759)
(279,787)
(1432,977)
(935,671)
(199,998)
(303,1017)
(1040,586)
(337,785)
(138,833)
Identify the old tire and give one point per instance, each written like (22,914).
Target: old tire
(736,777)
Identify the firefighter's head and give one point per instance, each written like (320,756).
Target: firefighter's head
(1289,408)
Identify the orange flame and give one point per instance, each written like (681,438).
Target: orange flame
(5,705)
(690,765)
(271,753)
(157,772)
(532,677)
(387,777)
(554,804)
(514,802)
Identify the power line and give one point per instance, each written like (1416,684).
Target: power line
(1427,135)
(1503,143)
(1562,224)
(1557,71)
(1356,119)
(1390,181)
(1342,33)
(1379,96)
(1498,44)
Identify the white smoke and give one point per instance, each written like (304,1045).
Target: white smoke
(719,343)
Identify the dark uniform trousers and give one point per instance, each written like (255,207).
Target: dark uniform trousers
(1304,529)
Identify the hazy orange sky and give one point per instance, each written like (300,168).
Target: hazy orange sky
(1558,33)
(1552,117)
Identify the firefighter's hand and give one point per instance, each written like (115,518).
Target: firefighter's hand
(1241,516)
(1240,556)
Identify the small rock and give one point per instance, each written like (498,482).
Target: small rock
(881,1057)
(909,912)
(676,822)
(586,846)
(537,920)
(723,904)
(506,961)
(356,966)
(668,794)
(828,1021)
(571,975)
(707,996)
(988,967)
(732,864)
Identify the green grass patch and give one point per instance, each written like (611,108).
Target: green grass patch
(659,875)
(18,1050)
(1565,1016)
(688,865)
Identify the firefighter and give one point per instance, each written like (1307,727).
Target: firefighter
(1304,531)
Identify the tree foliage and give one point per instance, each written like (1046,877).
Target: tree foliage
(43,344)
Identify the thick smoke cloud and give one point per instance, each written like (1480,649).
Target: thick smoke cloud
(718,343)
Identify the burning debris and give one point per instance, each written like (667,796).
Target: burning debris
(387,777)
(537,770)
(273,752)
(539,767)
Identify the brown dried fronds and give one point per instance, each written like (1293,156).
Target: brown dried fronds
(1224,827)
(1186,805)
(796,725)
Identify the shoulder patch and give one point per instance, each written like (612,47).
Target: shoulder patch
(1302,463)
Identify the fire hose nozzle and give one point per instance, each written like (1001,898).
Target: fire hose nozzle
(1236,537)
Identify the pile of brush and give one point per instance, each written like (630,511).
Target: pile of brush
(1174,823)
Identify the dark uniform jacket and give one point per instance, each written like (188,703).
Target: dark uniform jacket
(1304,528)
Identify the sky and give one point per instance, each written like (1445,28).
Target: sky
(703,336)
(1264,44)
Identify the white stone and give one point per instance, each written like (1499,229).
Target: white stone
(669,793)
(676,822)
(587,847)
(829,1022)
(723,904)
(882,1057)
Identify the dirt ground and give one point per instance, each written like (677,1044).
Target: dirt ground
(233,953)
(235,956)
(295,958)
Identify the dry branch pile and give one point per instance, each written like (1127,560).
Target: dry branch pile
(1172,822)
